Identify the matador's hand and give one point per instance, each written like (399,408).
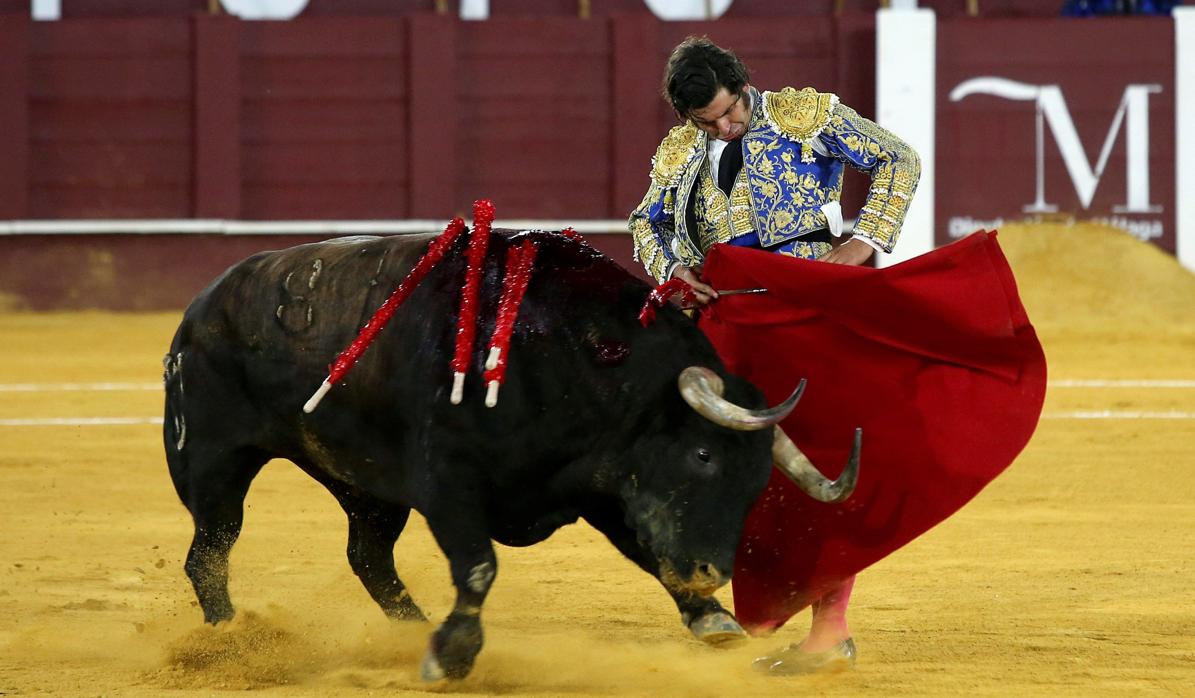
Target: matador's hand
(853,252)
(704,292)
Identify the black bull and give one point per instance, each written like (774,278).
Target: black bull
(590,423)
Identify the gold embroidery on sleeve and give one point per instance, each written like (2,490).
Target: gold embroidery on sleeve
(675,151)
(894,168)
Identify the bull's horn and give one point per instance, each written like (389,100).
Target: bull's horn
(800,470)
(702,389)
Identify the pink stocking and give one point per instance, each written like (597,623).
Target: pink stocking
(829,619)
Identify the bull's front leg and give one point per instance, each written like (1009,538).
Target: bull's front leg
(704,616)
(455,644)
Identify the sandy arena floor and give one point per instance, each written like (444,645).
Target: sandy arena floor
(1071,574)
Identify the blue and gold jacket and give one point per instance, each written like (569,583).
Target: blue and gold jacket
(794,151)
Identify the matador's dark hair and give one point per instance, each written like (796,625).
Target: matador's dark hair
(696,70)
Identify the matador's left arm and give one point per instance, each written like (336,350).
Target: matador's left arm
(893,165)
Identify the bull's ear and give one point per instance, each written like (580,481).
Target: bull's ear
(609,352)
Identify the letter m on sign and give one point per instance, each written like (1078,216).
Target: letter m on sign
(1133,114)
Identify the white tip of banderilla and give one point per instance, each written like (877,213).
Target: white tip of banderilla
(311,404)
(458,387)
(491,361)
(491,394)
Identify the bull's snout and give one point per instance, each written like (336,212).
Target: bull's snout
(705,579)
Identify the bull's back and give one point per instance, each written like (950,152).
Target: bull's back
(303,301)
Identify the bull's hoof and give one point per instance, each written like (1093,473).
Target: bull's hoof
(436,667)
(214,613)
(791,661)
(430,670)
(452,648)
(719,629)
(217,617)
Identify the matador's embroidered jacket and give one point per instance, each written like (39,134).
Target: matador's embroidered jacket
(796,145)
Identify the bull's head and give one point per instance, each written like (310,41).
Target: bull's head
(702,389)
(688,504)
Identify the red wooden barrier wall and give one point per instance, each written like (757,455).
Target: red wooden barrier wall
(358,109)
(364,118)
(739,9)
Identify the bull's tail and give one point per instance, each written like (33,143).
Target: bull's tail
(174,422)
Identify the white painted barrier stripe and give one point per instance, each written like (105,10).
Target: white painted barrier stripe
(77,421)
(905,64)
(215,226)
(1118,414)
(1184,145)
(68,387)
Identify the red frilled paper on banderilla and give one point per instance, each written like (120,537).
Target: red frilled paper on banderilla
(936,360)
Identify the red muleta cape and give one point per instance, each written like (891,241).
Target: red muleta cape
(934,358)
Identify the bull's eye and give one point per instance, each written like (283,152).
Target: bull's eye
(703,455)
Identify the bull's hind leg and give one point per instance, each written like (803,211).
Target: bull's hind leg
(371,555)
(212,484)
(374,527)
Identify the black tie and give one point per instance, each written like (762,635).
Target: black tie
(730,164)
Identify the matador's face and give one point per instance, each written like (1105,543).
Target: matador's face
(726,116)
